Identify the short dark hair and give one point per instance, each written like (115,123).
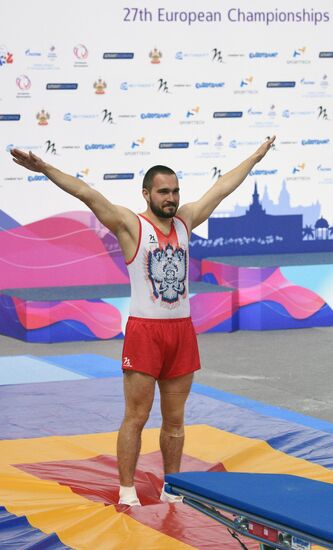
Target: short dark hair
(152,172)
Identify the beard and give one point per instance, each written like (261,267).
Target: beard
(161,213)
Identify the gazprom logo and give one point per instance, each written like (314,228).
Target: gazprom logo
(155,115)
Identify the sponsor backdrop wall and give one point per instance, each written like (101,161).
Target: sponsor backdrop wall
(105,90)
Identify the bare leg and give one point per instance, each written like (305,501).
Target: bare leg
(139,394)
(174,393)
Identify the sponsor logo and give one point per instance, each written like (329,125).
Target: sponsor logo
(37,178)
(137,148)
(42,117)
(322,112)
(217,55)
(107,116)
(174,145)
(216,172)
(100,86)
(6,57)
(155,115)
(155,56)
(322,168)
(281,84)
(180,55)
(227,114)
(62,86)
(99,146)
(125,86)
(9,117)
(253,112)
(298,57)
(298,168)
(119,176)
(118,55)
(288,114)
(163,86)
(307,82)
(234,143)
(81,52)
(259,172)
(23,82)
(50,147)
(315,141)
(127,362)
(200,85)
(32,53)
(192,112)
(263,55)
(83,173)
(325,54)
(246,81)
(69,117)
(200,143)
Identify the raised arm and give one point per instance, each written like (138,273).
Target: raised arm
(194,213)
(116,218)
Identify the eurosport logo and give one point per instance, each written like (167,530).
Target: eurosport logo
(62,86)
(325,55)
(23,82)
(227,114)
(200,85)
(9,118)
(99,146)
(119,176)
(281,84)
(118,55)
(81,52)
(37,178)
(315,141)
(155,115)
(263,55)
(259,172)
(174,145)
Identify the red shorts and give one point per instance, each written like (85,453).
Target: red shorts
(163,348)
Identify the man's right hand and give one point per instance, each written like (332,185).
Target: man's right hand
(28,160)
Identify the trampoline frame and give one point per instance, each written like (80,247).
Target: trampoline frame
(289,538)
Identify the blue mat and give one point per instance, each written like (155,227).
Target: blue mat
(298,503)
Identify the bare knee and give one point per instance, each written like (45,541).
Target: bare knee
(136,419)
(173,428)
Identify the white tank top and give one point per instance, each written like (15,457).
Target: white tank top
(159,272)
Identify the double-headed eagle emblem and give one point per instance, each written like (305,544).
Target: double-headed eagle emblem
(167,273)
